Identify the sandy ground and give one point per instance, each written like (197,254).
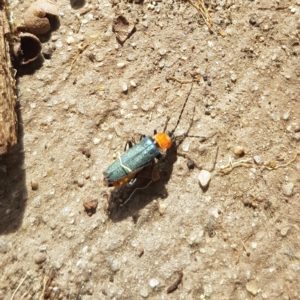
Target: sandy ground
(237,239)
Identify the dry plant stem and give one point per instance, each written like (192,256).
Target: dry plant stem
(46,282)
(80,50)
(204,12)
(246,163)
(182,81)
(13,295)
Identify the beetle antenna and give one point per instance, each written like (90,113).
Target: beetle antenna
(182,109)
(166,124)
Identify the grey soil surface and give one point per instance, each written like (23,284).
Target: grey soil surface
(237,239)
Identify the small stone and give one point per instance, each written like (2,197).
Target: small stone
(99,57)
(162,208)
(121,65)
(96,141)
(233,77)
(132,83)
(257,159)
(144,293)
(124,87)
(239,151)
(286,116)
(153,283)
(87,174)
(288,189)
(140,251)
(70,40)
(162,52)
(204,178)
(284,231)
(297,127)
(190,164)
(90,206)
(80,181)
(39,257)
(251,287)
(297,136)
(34,185)
(145,24)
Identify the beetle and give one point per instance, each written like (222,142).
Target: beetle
(138,156)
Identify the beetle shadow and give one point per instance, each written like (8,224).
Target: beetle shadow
(126,201)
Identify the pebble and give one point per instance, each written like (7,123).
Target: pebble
(90,206)
(34,185)
(39,257)
(132,83)
(144,293)
(297,136)
(190,164)
(288,189)
(87,174)
(257,159)
(284,231)
(204,178)
(286,116)
(233,77)
(140,251)
(80,181)
(153,283)
(239,151)
(70,40)
(124,87)
(251,287)
(162,208)
(162,52)
(121,65)
(145,24)
(99,57)
(96,141)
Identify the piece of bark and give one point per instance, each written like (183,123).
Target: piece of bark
(8,117)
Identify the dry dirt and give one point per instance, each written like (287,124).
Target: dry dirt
(239,239)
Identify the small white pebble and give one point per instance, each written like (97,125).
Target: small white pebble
(153,283)
(145,24)
(99,57)
(96,141)
(162,52)
(121,65)
(257,159)
(124,87)
(70,40)
(286,116)
(132,83)
(233,77)
(58,44)
(204,178)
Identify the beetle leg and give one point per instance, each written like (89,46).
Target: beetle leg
(128,145)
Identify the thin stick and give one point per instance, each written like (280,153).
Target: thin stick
(13,295)
(183,81)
